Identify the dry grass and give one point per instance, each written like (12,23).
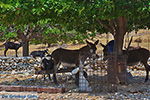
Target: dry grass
(143,34)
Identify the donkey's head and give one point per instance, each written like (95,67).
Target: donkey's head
(107,49)
(91,51)
(21,44)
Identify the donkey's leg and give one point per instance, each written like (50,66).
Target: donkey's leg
(147,68)
(147,75)
(49,76)
(54,73)
(16,53)
(54,78)
(5,52)
(44,77)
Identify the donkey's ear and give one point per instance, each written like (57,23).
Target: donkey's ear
(96,42)
(102,45)
(88,43)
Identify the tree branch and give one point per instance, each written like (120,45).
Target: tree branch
(106,26)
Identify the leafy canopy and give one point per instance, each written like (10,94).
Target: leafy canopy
(79,15)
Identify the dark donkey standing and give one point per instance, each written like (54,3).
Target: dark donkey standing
(72,57)
(47,65)
(134,56)
(12,45)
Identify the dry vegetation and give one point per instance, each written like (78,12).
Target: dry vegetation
(142,34)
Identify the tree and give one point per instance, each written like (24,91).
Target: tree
(83,16)
(24,33)
(115,16)
(11,16)
(30,18)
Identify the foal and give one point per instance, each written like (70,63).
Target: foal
(72,57)
(47,66)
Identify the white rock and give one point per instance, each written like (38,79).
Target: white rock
(75,71)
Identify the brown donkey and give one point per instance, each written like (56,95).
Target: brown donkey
(72,57)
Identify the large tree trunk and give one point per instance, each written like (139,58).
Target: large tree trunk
(118,72)
(25,40)
(26,48)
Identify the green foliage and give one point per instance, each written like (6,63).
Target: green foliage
(10,35)
(79,16)
(5,34)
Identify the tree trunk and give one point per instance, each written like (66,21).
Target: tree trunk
(120,65)
(26,48)
(118,72)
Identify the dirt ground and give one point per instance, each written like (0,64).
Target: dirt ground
(136,90)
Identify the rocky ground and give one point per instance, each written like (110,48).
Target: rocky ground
(136,90)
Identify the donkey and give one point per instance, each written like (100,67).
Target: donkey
(48,65)
(12,45)
(39,53)
(134,56)
(72,57)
